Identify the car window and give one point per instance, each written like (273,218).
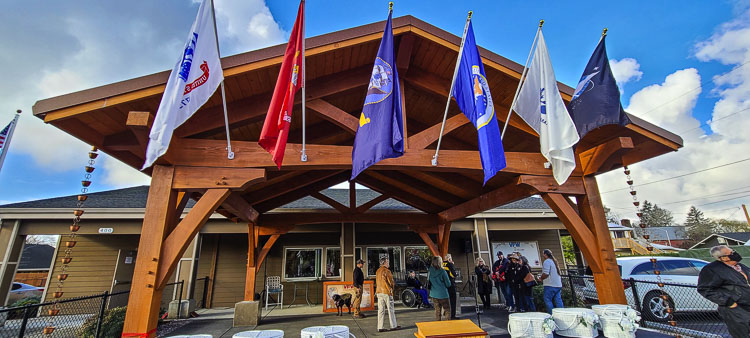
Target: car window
(698,265)
(678,268)
(646,268)
(16,286)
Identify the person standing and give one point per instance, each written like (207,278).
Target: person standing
(527,284)
(439,283)
(384,281)
(484,282)
(359,282)
(451,271)
(499,269)
(513,285)
(725,282)
(552,281)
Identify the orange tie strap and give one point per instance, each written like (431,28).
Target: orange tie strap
(147,334)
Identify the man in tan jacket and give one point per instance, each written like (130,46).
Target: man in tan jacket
(384,292)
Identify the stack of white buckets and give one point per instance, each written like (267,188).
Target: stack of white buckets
(616,321)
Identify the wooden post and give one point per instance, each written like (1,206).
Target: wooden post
(608,281)
(747,216)
(143,304)
(252,246)
(445,235)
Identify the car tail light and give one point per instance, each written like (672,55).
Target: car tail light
(625,284)
(40,289)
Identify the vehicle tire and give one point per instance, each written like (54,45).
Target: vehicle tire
(409,298)
(654,307)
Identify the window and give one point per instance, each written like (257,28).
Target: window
(698,265)
(678,268)
(417,258)
(647,268)
(374,254)
(721,240)
(302,263)
(333,262)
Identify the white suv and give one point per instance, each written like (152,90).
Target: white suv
(680,278)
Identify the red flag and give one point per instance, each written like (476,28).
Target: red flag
(279,117)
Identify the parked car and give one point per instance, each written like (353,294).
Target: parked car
(20,291)
(679,276)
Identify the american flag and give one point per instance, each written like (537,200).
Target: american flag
(4,134)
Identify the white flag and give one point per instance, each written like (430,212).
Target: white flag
(539,103)
(194,79)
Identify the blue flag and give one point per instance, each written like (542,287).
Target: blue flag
(596,101)
(381,131)
(473,96)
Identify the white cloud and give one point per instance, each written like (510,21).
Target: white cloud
(670,105)
(625,70)
(119,174)
(238,34)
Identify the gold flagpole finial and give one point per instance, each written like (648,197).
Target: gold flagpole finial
(541,23)
(390,6)
(604,32)
(470,13)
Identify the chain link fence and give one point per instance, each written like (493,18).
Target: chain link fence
(91,316)
(691,314)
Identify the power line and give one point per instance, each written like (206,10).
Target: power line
(692,90)
(714,121)
(679,176)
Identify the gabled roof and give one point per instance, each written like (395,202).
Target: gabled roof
(36,256)
(665,233)
(741,237)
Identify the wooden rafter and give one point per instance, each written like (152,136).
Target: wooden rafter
(238,206)
(330,201)
(415,187)
(302,191)
(456,185)
(430,244)
(576,227)
(279,189)
(430,135)
(302,218)
(334,115)
(604,157)
(216,177)
(266,249)
(371,203)
(396,193)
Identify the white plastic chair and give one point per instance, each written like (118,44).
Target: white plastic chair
(273,285)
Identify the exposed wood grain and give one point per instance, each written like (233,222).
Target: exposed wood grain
(604,157)
(430,135)
(216,177)
(371,203)
(302,218)
(239,207)
(430,244)
(577,228)
(334,115)
(330,201)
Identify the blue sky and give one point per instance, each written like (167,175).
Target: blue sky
(668,56)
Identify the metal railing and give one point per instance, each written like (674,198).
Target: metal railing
(89,316)
(692,314)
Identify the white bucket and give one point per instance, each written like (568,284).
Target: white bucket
(333,331)
(530,324)
(611,316)
(570,322)
(259,334)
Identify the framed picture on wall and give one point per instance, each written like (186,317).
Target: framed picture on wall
(529,249)
(333,288)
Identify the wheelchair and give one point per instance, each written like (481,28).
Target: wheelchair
(410,298)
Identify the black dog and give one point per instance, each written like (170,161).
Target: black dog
(340,301)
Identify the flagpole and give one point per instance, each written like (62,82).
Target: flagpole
(303,157)
(520,81)
(230,153)
(450,92)
(6,144)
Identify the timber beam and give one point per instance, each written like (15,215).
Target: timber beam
(216,177)
(577,228)
(371,203)
(239,207)
(179,239)
(430,244)
(430,135)
(334,115)
(524,186)
(286,219)
(444,235)
(204,152)
(604,157)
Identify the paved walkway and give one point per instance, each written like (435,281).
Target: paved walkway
(218,322)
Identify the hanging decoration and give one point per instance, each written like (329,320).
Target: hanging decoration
(659,282)
(70,240)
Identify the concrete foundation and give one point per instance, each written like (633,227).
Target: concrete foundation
(180,310)
(247,313)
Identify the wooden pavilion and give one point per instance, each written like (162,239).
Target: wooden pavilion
(116,118)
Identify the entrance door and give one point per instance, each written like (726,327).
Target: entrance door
(123,277)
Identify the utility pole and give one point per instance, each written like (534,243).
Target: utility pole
(747,217)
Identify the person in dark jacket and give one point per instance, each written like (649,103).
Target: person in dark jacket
(510,277)
(450,269)
(484,281)
(499,269)
(527,288)
(358,280)
(725,282)
(414,282)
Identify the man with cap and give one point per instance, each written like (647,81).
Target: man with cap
(359,281)
(498,275)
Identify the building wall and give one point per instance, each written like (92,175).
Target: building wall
(546,239)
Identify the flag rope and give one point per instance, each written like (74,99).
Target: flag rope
(450,92)
(303,157)
(230,153)
(523,75)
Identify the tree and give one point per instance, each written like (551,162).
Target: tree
(612,217)
(568,250)
(653,216)
(728,225)
(698,226)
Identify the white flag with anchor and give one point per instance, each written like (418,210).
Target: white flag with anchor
(193,80)
(541,106)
